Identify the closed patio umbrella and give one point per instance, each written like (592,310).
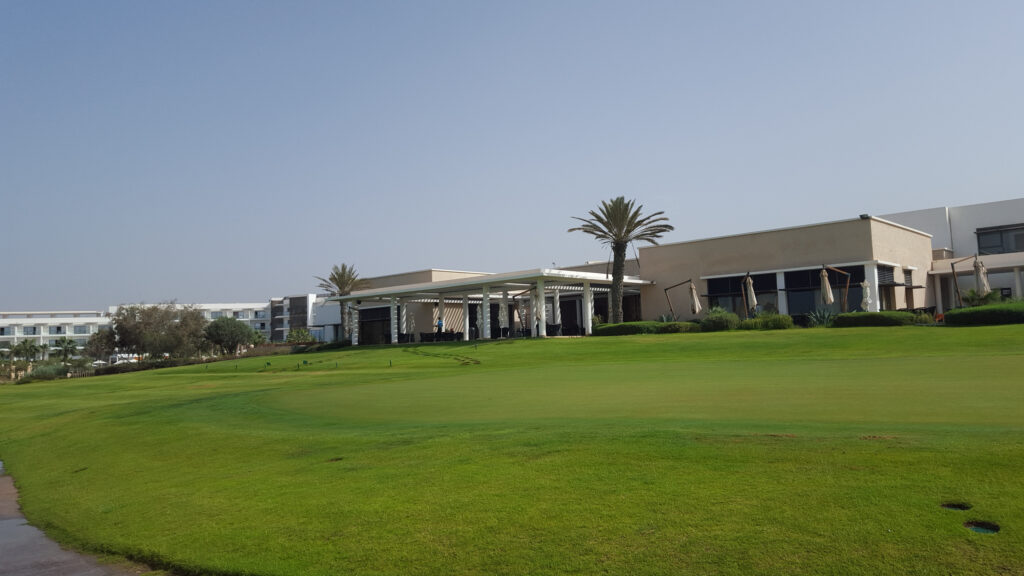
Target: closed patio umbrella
(748,284)
(865,299)
(981,277)
(503,315)
(826,289)
(694,299)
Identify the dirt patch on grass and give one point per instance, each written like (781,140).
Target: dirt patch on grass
(878,437)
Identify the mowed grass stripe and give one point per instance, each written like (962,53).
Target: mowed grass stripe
(803,452)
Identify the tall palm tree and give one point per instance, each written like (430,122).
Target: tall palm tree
(342,281)
(617,223)
(67,348)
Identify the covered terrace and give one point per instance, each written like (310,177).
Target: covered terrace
(529,293)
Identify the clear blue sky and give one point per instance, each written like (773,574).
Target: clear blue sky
(230,151)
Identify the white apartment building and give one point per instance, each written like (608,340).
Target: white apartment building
(48,326)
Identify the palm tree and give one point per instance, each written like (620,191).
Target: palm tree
(343,281)
(617,223)
(67,348)
(26,350)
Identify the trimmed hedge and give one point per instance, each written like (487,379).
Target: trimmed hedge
(768,322)
(886,318)
(719,321)
(990,314)
(127,367)
(645,327)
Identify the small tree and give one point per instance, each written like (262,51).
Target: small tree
(101,344)
(299,336)
(67,348)
(27,350)
(229,334)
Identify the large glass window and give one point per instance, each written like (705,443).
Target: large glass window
(57,330)
(1001,239)
(803,290)
(727,293)
(30,330)
(81,329)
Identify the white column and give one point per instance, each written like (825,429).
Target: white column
(937,280)
(780,285)
(404,316)
(556,308)
(355,325)
(588,308)
(871,273)
(394,320)
(485,309)
(542,313)
(1017,283)
(465,318)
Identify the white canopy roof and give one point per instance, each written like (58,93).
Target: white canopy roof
(495,283)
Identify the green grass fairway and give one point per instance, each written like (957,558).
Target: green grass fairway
(798,452)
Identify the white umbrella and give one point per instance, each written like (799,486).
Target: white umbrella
(865,300)
(694,299)
(826,288)
(557,308)
(981,277)
(751,298)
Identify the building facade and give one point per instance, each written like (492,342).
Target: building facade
(991,231)
(46,327)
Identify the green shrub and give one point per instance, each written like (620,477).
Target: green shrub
(922,317)
(1001,313)
(821,317)
(645,327)
(768,322)
(149,364)
(719,320)
(45,372)
(887,318)
(678,327)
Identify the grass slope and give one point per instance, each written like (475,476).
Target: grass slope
(796,452)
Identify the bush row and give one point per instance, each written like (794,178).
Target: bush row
(768,322)
(886,318)
(645,327)
(715,321)
(1001,313)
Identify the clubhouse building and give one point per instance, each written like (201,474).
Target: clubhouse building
(903,261)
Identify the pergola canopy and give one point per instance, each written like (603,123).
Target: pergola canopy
(495,283)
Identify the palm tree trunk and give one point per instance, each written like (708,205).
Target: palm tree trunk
(618,272)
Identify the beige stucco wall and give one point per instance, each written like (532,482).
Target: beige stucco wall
(831,243)
(909,249)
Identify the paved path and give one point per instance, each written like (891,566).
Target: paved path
(26,551)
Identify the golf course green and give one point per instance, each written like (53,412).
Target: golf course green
(806,451)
